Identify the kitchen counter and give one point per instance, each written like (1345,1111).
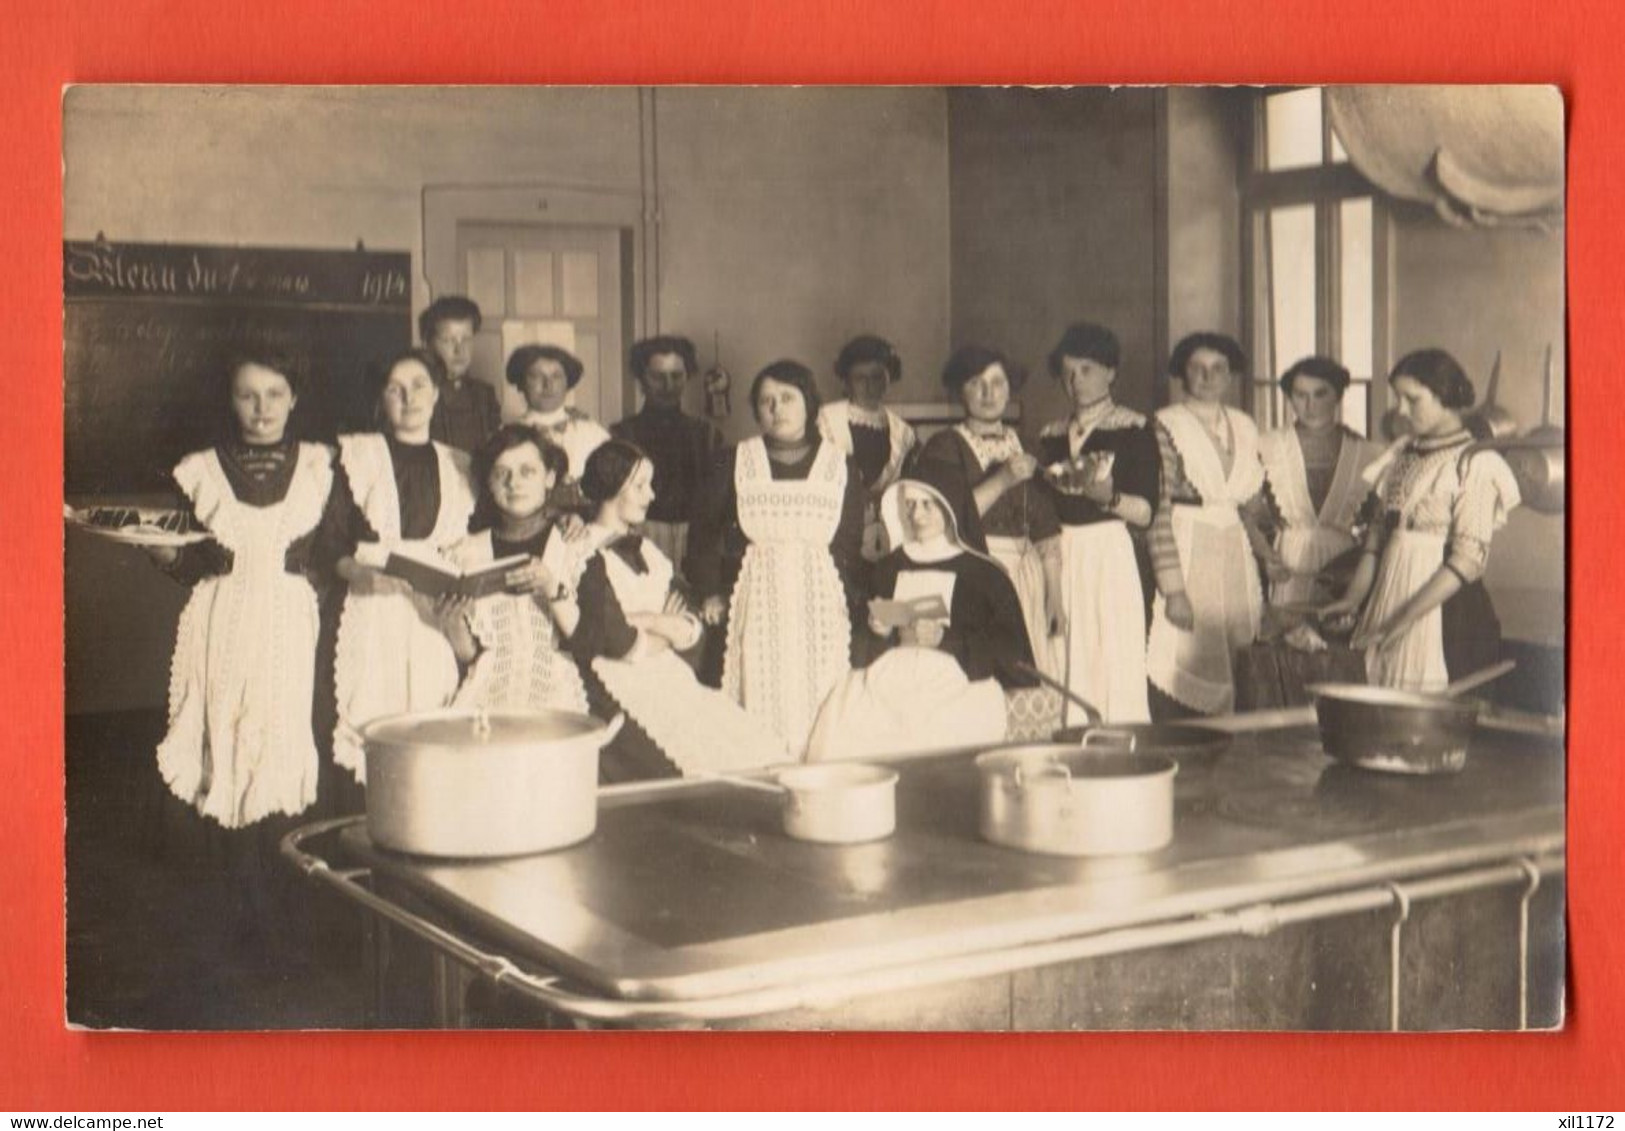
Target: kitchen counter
(690,905)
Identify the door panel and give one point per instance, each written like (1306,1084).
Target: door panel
(568,279)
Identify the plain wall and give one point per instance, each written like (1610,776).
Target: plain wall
(1053,220)
(786,221)
(1473,291)
(1204,130)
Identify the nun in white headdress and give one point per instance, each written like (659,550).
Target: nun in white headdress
(939,681)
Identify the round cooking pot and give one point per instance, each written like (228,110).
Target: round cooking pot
(1068,800)
(839,802)
(1380,728)
(466,783)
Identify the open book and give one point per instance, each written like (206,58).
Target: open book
(896,614)
(434,577)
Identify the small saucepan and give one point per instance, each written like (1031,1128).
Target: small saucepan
(831,802)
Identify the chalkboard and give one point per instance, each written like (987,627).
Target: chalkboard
(150,328)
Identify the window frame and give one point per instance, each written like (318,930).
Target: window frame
(1325,187)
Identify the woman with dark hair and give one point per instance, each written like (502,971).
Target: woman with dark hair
(940,681)
(507,641)
(1010,518)
(545,376)
(774,551)
(1205,533)
(1313,469)
(1102,474)
(239,747)
(877,439)
(1427,618)
(395,490)
(627,619)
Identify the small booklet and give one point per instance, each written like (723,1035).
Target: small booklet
(437,578)
(896,614)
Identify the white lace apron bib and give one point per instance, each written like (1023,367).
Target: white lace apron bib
(391,655)
(239,745)
(1221,579)
(789,632)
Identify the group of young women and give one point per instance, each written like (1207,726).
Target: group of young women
(864,592)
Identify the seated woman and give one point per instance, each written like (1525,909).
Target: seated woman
(1313,473)
(508,641)
(1428,619)
(877,439)
(941,682)
(545,376)
(626,622)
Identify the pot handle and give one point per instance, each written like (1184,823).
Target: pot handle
(1051,768)
(1110,733)
(611,729)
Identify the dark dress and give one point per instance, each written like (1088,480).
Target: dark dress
(465,417)
(717,543)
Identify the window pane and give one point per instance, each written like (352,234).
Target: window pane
(1294,127)
(1292,283)
(1356,284)
(1357,407)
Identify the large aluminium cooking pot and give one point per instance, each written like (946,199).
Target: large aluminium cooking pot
(466,783)
(1380,728)
(1068,800)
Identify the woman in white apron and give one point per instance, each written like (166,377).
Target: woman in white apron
(1202,541)
(239,747)
(940,683)
(396,490)
(1314,472)
(1102,473)
(508,641)
(627,621)
(773,553)
(1011,519)
(1427,618)
(875,437)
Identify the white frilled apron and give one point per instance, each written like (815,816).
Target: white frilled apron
(699,728)
(391,655)
(239,745)
(835,425)
(1221,579)
(789,631)
(1104,651)
(1310,539)
(1417,550)
(1025,565)
(521,666)
(910,700)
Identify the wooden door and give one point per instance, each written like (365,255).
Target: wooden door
(560,284)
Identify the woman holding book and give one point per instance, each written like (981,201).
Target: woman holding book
(395,491)
(950,624)
(507,639)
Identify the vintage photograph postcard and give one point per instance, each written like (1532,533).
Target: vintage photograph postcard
(873,558)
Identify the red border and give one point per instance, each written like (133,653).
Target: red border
(1567,42)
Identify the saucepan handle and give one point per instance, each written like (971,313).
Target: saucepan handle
(1112,735)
